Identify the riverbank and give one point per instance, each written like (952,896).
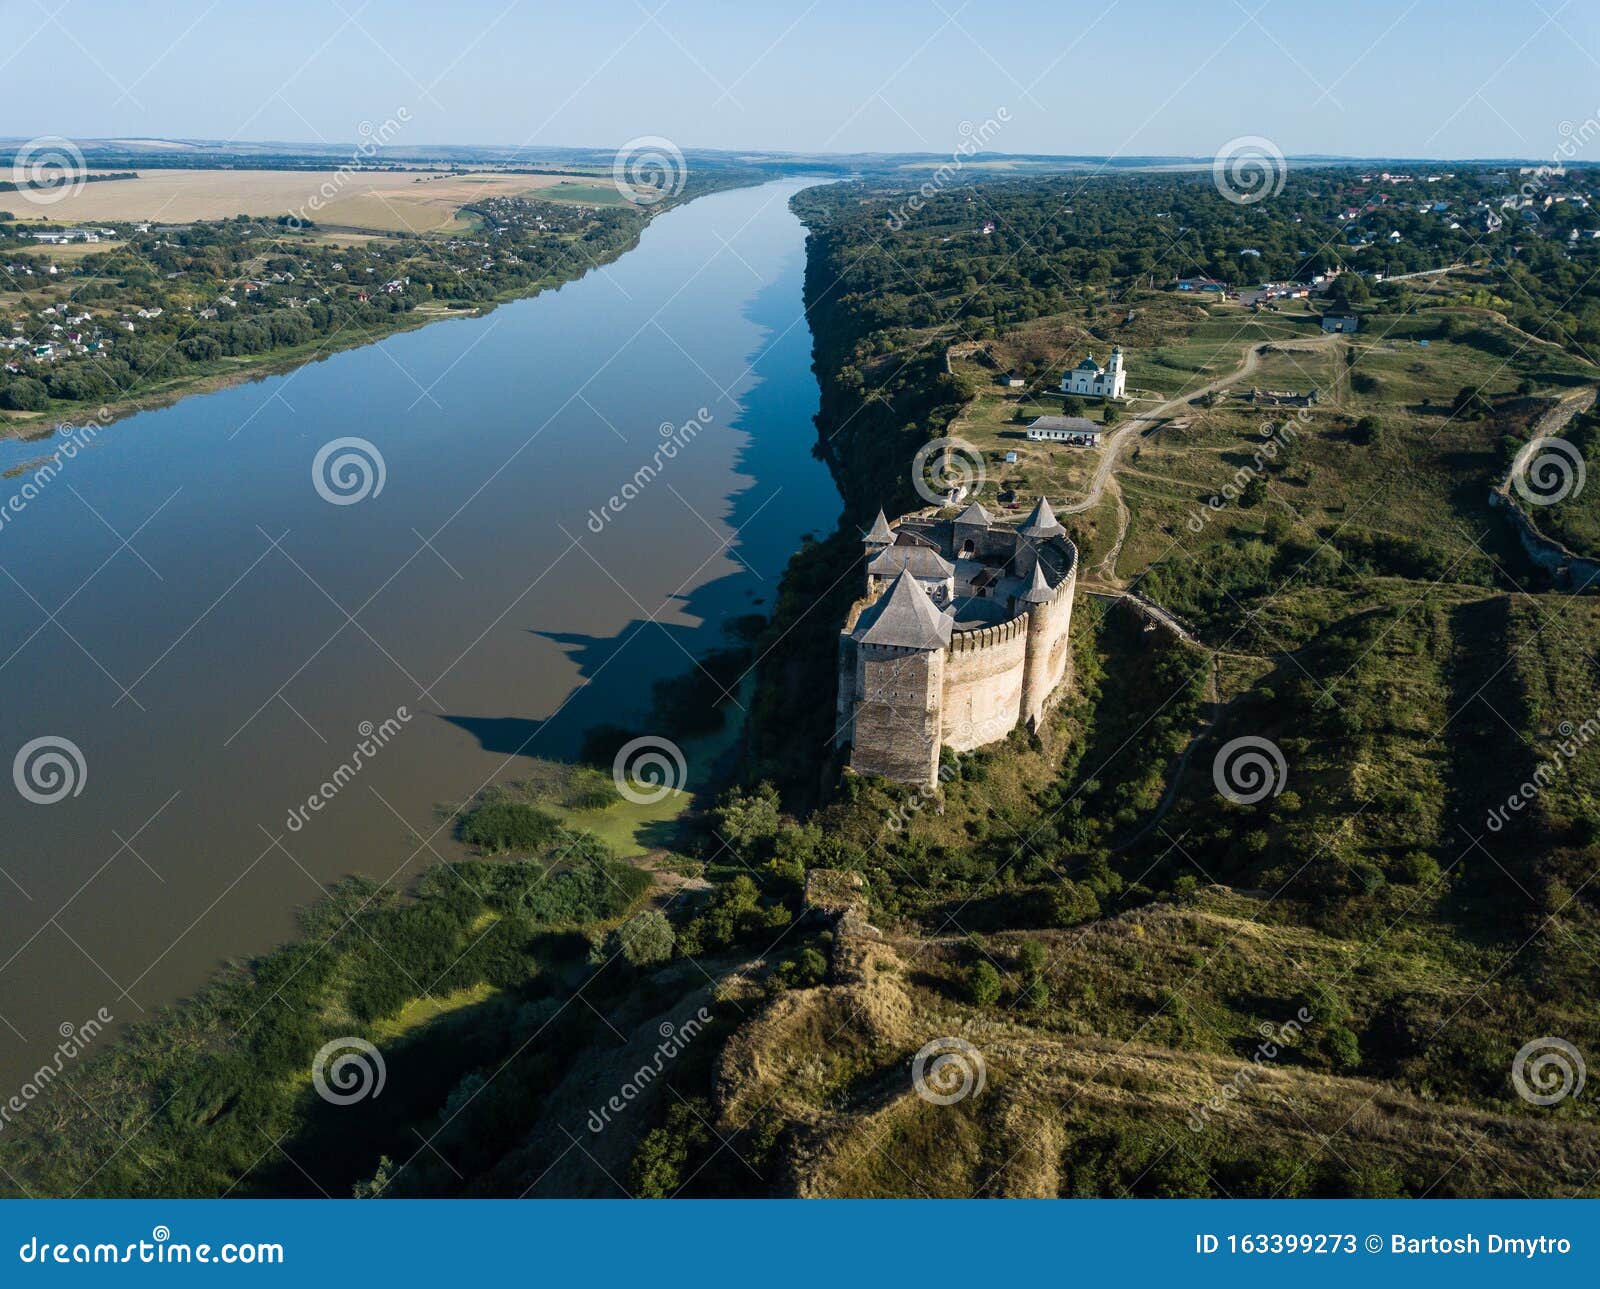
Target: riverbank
(355,328)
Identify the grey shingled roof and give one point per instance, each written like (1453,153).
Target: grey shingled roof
(880,530)
(974,514)
(923,561)
(1077,424)
(906,618)
(1039,592)
(1042,522)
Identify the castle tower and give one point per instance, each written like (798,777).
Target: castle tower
(971,531)
(897,652)
(879,537)
(1040,597)
(1039,527)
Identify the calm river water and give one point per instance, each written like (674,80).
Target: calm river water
(182,605)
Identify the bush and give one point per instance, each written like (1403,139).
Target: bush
(501,826)
(1341,1047)
(806,969)
(983,985)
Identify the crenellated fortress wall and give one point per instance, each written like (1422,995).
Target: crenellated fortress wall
(957,684)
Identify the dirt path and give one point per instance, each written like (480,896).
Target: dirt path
(1551,423)
(1119,437)
(1104,475)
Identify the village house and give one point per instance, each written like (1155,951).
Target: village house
(1077,431)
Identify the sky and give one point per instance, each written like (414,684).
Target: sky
(1421,78)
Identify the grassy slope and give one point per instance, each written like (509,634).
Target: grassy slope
(1366,617)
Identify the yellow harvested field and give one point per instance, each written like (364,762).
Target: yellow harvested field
(387,201)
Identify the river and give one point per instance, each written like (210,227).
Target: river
(182,604)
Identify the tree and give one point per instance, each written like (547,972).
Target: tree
(24,395)
(1075,903)
(1365,432)
(1112,414)
(1351,288)
(374,1187)
(1470,404)
(645,939)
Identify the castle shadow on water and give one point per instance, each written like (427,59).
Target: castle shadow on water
(962,635)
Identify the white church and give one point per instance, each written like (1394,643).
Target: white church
(1090,378)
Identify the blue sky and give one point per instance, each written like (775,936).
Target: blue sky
(1124,77)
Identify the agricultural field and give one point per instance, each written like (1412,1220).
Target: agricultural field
(381,201)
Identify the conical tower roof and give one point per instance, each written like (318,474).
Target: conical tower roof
(1039,592)
(905,618)
(880,532)
(975,514)
(1042,522)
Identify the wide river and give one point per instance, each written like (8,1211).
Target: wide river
(182,605)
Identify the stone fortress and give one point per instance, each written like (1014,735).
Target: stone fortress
(960,637)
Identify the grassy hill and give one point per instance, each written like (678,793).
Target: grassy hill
(1295,903)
